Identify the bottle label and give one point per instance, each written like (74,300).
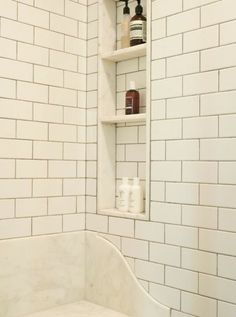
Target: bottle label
(129,105)
(138,30)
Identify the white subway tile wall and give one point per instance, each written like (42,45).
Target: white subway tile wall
(41,117)
(185,255)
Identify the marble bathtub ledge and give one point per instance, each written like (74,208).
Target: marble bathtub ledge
(121,290)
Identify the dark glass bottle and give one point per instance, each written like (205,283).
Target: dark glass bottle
(138,26)
(132,100)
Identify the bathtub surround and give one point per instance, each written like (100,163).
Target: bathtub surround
(185,255)
(62,270)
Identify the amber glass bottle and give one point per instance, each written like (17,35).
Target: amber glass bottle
(132,100)
(138,26)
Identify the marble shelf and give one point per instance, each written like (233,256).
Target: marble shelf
(141,117)
(116,213)
(125,53)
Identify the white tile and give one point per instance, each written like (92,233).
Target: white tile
(218,149)
(121,227)
(218,195)
(15,228)
(47,187)
(201,127)
(17,30)
(31,207)
(199,261)
(200,172)
(199,216)
(165,295)
(227,219)
(163,8)
(165,254)
(181,235)
(61,205)
(182,193)
(218,288)
(135,248)
(47,225)
(164,212)
(31,169)
(200,83)
(97,223)
(198,305)
(33,16)
(149,271)
(166,129)
(73,222)
(168,46)
(226,266)
(182,279)
(149,231)
(201,39)
(182,150)
(217,241)
(15,188)
(226,309)
(218,12)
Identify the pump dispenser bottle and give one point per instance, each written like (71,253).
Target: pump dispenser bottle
(132,100)
(136,197)
(138,25)
(125,26)
(124,195)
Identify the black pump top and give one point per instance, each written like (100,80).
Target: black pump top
(139,8)
(126,9)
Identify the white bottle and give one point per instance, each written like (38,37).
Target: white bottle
(124,195)
(136,197)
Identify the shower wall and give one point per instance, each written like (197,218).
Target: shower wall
(185,256)
(43,51)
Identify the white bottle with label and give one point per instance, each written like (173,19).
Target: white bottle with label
(136,197)
(124,195)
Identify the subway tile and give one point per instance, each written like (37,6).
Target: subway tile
(218,288)
(58,132)
(218,12)
(218,103)
(200,83)
(165,295)
(61,205)
(198,305)
(51,6)
(164,8)
(166,129)
(10,108)
(73,222)
(15,228)
(183,107)
(16,31)
(149,271)
(15,188)
(31,207)
(226,34)
(226,266)
(47,150)
(7,88)
(97,223)
(166,171)
(164,212)
(200,172)
(227,78)
(7,169)
(32,54)
(227,219)
(218,195)
(182,279)
(63,25)
(226,309)
(201,39)
(182,193)
(135,248)
(75,187)
(218,149)
(8,9)
(47,187)
(16,70)
(181,236)
(201,127)
(31,169)
(121,227)
(48,113)
(167,88)
(199,216)
(227,173)
(183,22)
(47,225)
(63,60)
(49,39)
(48,76)
(217,241)
(8,48)
(32,130)
(168,46)
(199,261)
(62,96)
(7,208)
(33,16)
(32,92)
(15,148)
(165,254)
(149,231)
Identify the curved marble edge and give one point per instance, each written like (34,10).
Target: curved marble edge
(166,311)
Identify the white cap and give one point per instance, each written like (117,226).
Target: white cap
(125,180)
(132,85)
(136,181)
